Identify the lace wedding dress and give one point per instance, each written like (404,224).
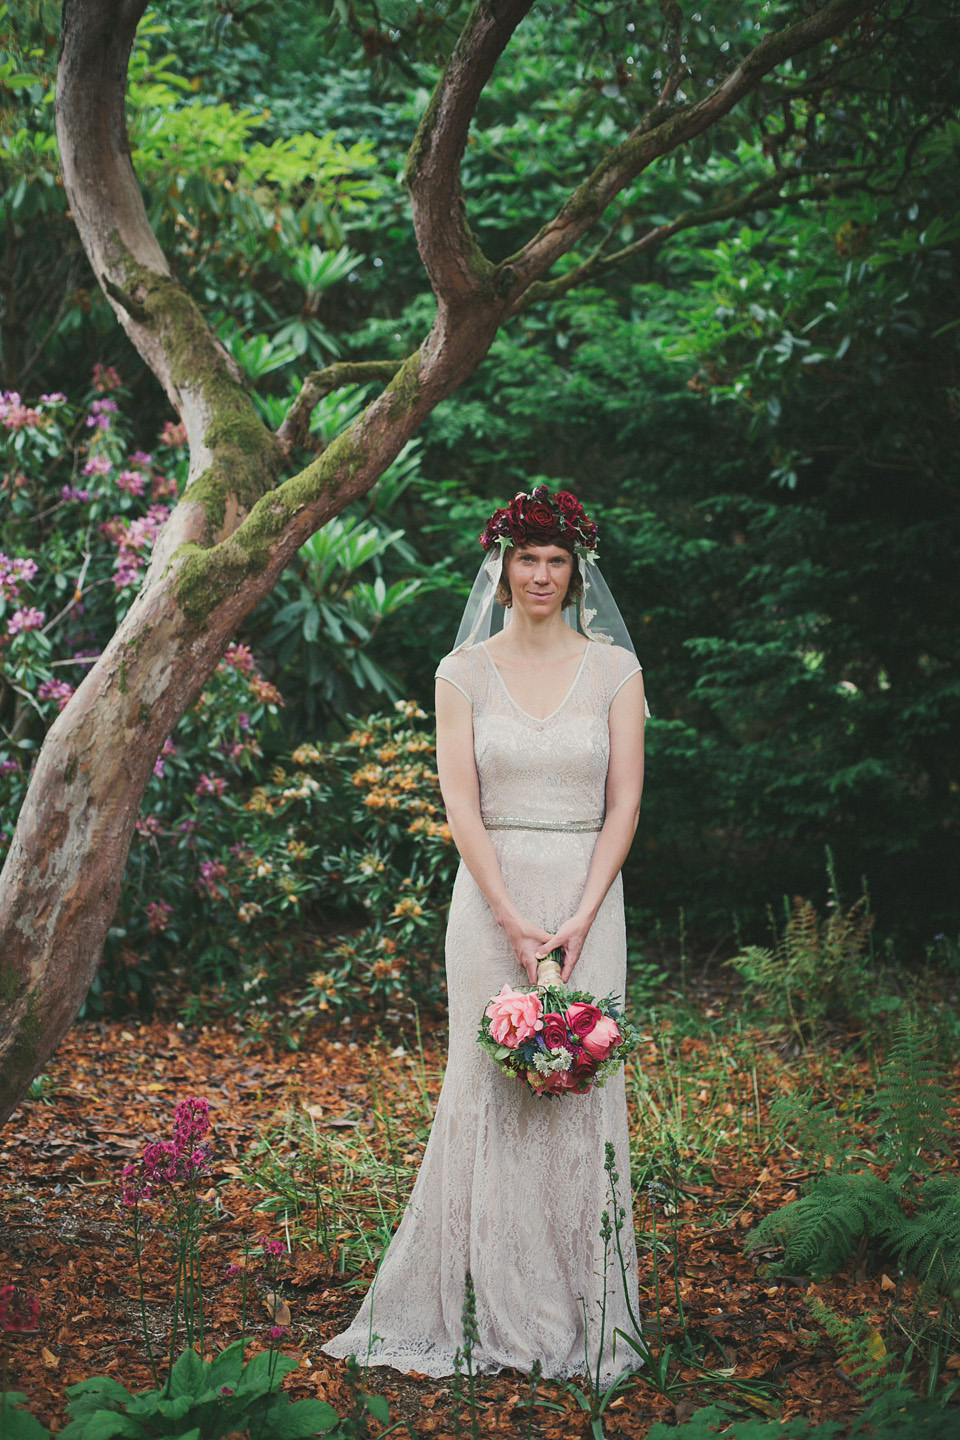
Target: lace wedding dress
(512,1185)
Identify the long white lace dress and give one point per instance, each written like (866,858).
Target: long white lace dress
(512,1185)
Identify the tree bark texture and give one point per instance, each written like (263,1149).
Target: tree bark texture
(237,525)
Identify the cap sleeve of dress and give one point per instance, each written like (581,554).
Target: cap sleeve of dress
(457,670)
(623,665)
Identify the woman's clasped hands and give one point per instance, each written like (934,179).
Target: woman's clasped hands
(532,943)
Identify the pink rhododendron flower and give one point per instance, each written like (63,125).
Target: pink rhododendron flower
(602,1038)
(98,465)
(211,785)
(132,481)
(57,690)
(158,916)
(14,415)
(514,1017)
(27,618)
(173,435)
(237,657)
(105,377)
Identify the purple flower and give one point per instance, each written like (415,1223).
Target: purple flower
(14,415)
(100,412)
(271,1247)
(132,481)
(158,916)
(97,465)
(57,690)
(211,785)
(276,1332)
(140,457)
(54,398)
(70,492)
(8,767)
(25,619)
(191,1120)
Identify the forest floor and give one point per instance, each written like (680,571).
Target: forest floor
(317,1148)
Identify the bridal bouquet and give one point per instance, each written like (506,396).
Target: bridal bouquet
(556,1039)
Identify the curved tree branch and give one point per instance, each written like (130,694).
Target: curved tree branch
(296,423)
(626,161)
(458,270)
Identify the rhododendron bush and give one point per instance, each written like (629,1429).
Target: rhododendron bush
(225,876)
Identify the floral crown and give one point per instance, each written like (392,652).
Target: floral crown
(537,519)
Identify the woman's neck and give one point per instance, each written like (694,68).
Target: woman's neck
(535,641)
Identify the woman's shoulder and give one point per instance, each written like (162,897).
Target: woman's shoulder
(460,668)
(617,666)
(616,662)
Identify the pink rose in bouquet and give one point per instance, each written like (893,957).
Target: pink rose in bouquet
(599,1041)
(514,1017)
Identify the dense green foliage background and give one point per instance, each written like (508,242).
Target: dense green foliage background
(762,412)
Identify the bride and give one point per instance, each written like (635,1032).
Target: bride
(540,733)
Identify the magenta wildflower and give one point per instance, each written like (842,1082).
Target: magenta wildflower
(70,492)
(271,1247)
(140,457)
(276,1332)
(19,1311)
(8,767)
(191,1120)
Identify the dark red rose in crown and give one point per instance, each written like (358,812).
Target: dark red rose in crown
(541,518)
(554,1031)
(569,506)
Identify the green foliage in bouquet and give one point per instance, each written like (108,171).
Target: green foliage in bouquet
(557,1040)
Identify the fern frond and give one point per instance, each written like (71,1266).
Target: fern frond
(816,1128)
(929,1242)
(859,1346)
(913,1100)
(821,1229)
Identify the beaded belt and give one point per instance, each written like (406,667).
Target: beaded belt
(566,827)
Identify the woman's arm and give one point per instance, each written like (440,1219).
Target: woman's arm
(460,787)
(623,791)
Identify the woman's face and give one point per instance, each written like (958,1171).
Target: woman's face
(539,577)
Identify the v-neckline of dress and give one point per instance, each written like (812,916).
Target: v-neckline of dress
(537,719)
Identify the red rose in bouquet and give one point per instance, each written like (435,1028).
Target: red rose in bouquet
(555,1031)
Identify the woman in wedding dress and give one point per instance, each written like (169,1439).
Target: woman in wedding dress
(540,755)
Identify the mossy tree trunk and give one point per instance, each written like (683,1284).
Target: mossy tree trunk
(239,521)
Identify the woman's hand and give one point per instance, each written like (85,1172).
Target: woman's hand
(570,939)
(530,943)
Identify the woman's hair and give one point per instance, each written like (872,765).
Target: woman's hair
(564,540)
